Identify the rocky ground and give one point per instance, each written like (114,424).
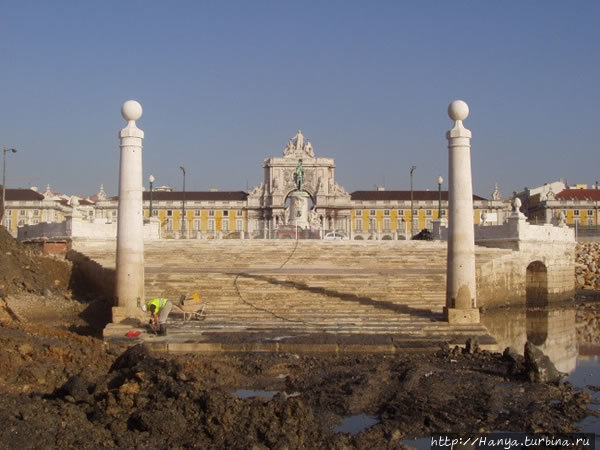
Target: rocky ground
(587,265)
(61,388)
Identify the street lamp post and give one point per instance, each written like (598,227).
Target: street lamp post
(4,152)
(151,180)
(183,205)
(440,181)
(412,223)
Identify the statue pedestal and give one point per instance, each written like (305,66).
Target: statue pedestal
(299,209)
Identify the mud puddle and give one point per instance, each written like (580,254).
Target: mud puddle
(357,423)
(251,393)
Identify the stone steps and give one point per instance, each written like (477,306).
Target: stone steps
(340,293)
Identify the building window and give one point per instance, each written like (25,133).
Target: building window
(386,212)
(415,212)
(590,221)
(21,223)
(114,214)
(372,225)
(211,213)
(386,224)
(359,225)
(155,212)
(575,212)
(36,221)
(226,213)
(36,212)
(372,212)
(170,213)
(22,212)
(196,225)
(225,225)
(169,224)
(238,225)
(239,213)
(197,212)
(211,224)
(590,212)
(443,212)
(358,212)
(428,212)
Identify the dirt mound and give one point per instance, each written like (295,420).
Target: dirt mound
(24,269)
(38,359)
(142,401)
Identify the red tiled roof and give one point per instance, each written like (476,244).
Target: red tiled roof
(21,195)
(579,194)
(402,195)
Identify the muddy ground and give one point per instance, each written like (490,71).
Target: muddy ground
(61,388)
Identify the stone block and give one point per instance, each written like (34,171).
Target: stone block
(461,316)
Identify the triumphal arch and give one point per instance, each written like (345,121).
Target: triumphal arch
(318,202)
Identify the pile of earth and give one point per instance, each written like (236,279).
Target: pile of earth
(142,401)
(24,269)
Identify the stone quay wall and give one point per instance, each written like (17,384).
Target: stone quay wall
(540,269)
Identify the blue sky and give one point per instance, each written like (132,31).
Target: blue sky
(226,84)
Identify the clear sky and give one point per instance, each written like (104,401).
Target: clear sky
(225,84)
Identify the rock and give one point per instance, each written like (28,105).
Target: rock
(538,367)
(75,387)
(131,357)
(129,388)
(25,349)
(515,361)
(510,355)
(472,345)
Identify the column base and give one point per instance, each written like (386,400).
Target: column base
(122,314)
(461,316)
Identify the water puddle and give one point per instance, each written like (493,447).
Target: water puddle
(587,373)
(418,444)
(250,393)
(552,330)
(356,424)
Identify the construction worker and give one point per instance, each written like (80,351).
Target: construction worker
(160,309)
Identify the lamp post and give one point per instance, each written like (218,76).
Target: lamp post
(183,204)
(151,180)
(4,152)
(412,223)
(440,181)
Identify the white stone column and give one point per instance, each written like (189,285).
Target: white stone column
(461,302)
(130,225)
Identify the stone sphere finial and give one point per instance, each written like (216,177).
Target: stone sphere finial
(131,110)
(458,110)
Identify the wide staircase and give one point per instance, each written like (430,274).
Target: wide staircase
(302,295)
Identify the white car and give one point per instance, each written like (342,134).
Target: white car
(333,236)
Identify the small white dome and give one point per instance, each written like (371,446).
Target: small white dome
(131,110)
(458,110)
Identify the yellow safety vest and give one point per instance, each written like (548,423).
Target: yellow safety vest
(159,303)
